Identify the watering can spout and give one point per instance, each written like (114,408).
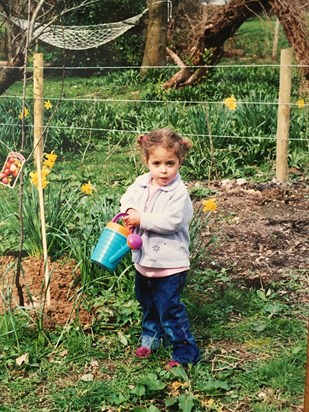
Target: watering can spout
(121,252)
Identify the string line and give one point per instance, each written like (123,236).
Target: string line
(183,102)
(137,132)
(223,66)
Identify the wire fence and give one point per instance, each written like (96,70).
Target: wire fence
(91,104)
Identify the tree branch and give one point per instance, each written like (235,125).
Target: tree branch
(175,58)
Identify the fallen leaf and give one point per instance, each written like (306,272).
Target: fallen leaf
(22,359)
(88,377)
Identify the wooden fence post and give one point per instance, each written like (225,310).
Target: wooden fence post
(38,94)
(283,124)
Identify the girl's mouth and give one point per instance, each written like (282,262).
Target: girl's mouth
(164,179)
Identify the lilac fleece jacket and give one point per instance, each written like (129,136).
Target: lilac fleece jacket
(164,226)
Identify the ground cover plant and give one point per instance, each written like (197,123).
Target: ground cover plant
(247,291)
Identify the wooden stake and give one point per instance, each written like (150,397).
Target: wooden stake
(283,124)
(306,401)
(38,94)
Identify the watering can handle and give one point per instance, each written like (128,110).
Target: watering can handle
(119,216)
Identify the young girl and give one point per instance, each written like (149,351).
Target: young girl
(159,209)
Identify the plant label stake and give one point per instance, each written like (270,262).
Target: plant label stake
(11,169)
(115,242)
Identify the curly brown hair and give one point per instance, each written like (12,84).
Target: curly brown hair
(166,138)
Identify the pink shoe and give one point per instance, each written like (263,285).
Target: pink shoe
(172,364)
(143,352)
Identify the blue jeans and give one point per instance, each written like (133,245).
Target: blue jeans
(164,314)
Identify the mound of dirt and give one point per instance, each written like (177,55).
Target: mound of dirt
(64,290)
(263,230)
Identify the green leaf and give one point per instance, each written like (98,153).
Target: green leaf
(273,308)
(152,382)
(179,372)
(153,408)
(186,402)
(156,385)
(213,386)
(139,390)
(261,295)
(118,400)
(170,401)
(259,326)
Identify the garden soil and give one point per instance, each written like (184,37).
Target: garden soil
(262,236)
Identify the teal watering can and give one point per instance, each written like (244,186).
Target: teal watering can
(115,242)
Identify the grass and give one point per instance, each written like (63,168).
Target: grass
(74,87)
(249,358)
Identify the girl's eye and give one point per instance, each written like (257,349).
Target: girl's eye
(156,163)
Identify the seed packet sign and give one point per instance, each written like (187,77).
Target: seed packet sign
(11,169)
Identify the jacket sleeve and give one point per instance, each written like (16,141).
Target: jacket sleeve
(177,214)
(128,199)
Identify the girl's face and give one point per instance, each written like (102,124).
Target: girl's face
(163,165)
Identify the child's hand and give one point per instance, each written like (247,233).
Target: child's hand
(133,219)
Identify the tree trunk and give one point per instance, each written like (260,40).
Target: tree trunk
(209,49)
(156,37)
(293,22)
(223,25)
(11,73)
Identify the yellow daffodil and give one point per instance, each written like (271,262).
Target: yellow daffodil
(87,188)
(231,103)
(34,178)
(23,114)
(209,205)
(48,164)
(48,105)
(300,103)
(50,159)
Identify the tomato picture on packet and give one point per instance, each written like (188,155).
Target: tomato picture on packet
(11,169)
